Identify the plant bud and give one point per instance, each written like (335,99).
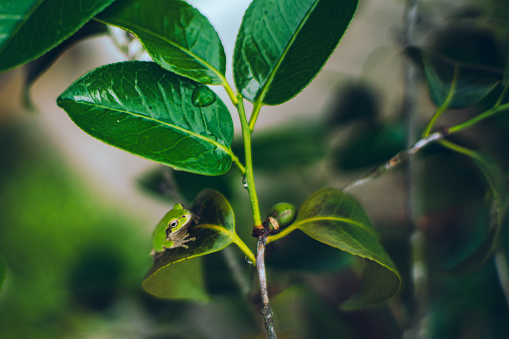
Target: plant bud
(284,213)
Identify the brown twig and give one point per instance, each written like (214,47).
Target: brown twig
(260,266)
(395,160)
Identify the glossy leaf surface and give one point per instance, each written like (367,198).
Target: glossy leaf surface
(282,45)
(214,231)
(30,28)
(176,35)
(148,111)
(336,219)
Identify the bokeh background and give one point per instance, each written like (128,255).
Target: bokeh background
(76,215)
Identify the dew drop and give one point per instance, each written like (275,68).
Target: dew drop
(244,182)
(203,96)
(248,261)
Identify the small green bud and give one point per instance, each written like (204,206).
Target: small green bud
(284,213)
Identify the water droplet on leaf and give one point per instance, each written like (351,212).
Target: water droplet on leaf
(248,261)
(203,96)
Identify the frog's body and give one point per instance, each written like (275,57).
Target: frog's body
(171,231)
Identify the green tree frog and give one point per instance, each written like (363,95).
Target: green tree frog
(171,231)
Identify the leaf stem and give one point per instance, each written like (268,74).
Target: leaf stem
(282,234)
(246,134)
(502,95)
(478,118)
(235,101)
(444,105)
(230,92)
(260,266)
(458,148)
(254,115)
(241,167)
(243,247)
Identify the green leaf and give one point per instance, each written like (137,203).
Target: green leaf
(282,45)
(30,28)
(185,280)
(176,35)
(336,219)
(498,188)
(143,109)
(214,231)
(462,85)
(288,255)
(37,67)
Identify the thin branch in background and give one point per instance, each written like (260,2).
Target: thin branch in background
(395,160)
(238,273)
(502,272)
(260,266)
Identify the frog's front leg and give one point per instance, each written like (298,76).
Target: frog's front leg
(178,242)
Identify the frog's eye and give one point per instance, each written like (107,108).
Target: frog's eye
(173,223)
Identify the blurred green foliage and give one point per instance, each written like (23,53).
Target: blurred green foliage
(69,256)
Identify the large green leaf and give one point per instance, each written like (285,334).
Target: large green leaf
(336,219)
(282,45)
(462,85)
(176,35)
(184,280)
(30,28)
(498,188)
(214,231)
(146,110)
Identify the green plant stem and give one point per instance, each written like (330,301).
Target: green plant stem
(235,101)
(243,247)
(236,161)
(444,105)
(254,115)
(502,95)
(230,92)
(283,233)
(458,148)
(246,134)
(478,118)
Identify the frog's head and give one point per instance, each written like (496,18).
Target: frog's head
(179,218)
